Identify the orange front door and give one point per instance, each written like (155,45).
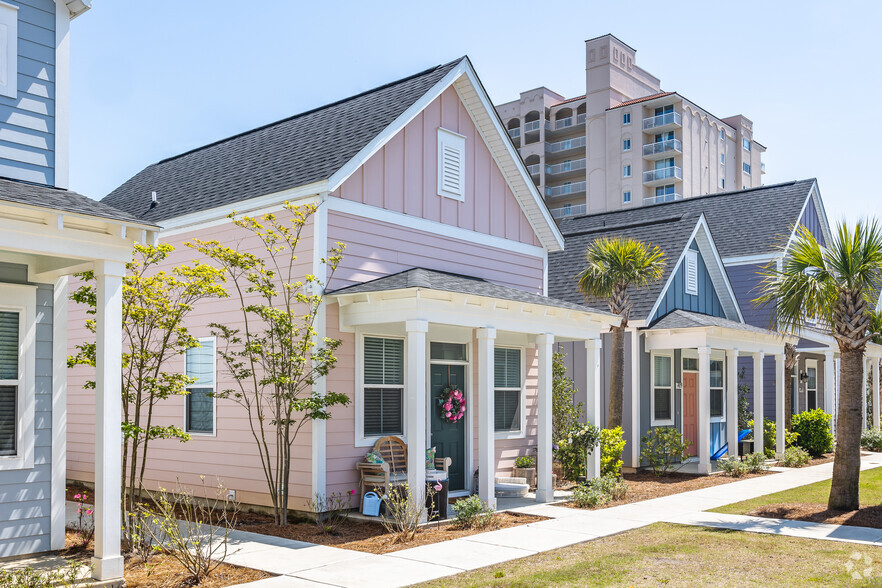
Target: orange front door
(690,411)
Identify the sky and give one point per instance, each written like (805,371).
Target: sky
(151,80)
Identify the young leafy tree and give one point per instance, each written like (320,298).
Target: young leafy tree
(614,266)
(565,411)
(834,283)
(155,304)
(276,357)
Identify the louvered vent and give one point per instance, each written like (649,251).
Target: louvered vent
(451,165)
(692,273)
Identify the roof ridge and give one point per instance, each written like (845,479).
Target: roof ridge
(310,111)
(628,225)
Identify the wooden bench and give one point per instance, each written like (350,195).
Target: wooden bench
(382,477)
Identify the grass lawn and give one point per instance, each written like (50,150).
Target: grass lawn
(675,555)
(812,494)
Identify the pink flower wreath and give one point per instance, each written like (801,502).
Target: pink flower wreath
(452,404)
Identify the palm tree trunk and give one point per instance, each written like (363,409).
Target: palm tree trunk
(846,464)
(617,378)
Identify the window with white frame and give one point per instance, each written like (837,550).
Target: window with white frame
(507,390)
(811,384)
(10,380)
(8,50)
(18,311)
(201,365)
(746,144)
(626,197)
(691,271)
(626,171)
(626,118)
(626,145)
(662,390)
(722,159)
(717,394)
(746,167)
(451,164)
(383,397)
(722,134)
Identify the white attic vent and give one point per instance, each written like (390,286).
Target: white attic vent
(691,268)
(451,165)
(8,50)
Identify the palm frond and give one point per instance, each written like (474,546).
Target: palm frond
(618,262)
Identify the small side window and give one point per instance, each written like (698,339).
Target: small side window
(8,50)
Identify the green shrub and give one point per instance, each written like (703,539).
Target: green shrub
(662,448)
(599,491)
(732,466)
(813,427)
(612,444)
(871,439)
(755,463)
(572,451)
(770,437)
(794,457)
(73,575)
(471,512)
(525,461)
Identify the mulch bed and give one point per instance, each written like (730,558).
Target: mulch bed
(870,516)
(371,537)
(646,485)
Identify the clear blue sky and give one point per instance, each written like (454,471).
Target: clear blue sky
(150,80)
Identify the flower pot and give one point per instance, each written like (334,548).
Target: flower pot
(528,473)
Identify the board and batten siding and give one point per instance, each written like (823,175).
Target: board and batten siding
(706,302)
(27,136)
(812,221)
(25,505)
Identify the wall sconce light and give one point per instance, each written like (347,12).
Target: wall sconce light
(803,377)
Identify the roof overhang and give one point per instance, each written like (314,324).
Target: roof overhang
(770,343)
(466,310)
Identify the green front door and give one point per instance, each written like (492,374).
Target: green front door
(448,439)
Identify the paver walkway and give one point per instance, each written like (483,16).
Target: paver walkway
(305,564)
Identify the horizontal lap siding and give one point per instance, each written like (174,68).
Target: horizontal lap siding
(27,139)
(403,177)
(376,248)
(230,457)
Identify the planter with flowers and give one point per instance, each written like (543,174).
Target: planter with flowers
(525,467)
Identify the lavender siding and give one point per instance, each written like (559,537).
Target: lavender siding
(745,280)
(706,302)
(812,221)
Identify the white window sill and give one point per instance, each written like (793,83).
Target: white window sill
(371,441)
(669,423)
(16,462)
(502,435)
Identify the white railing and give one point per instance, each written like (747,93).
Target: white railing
(573,188)
(533,125)
(566,166)
(565,145)
(665,173)
(662,120)
(762,167)
(514,133)
(659,198)
(581,118)
(663,147)
(534,169)
(571,210)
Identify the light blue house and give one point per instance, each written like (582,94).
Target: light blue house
(46,233)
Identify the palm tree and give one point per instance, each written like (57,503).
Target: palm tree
(614,265)
(791,360)
(834,284)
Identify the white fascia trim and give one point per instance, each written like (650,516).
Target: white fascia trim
(258,205)
(62,95)
(319,269)
(59,414)
(747,259)
(421,224)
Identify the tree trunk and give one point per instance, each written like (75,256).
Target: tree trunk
(617,378)
(847,462)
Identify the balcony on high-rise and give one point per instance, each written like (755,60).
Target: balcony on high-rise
(662,149)
(664,175)
(662,122)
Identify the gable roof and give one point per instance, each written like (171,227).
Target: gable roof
(683,319)
(460,284)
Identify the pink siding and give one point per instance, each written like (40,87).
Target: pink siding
(231,456)
(376,248)
(402,177)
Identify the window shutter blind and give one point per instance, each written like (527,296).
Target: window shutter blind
(383,362)
(451,164)
(662,371)
(200,364)
(692,273)
(507,372)
(7,419)
(8,345)
(382,412)
(507,409)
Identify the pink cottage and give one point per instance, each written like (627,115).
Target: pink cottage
(443,284)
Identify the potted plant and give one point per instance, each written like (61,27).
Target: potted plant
(525,467)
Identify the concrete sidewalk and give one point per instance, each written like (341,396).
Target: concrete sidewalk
(305,564)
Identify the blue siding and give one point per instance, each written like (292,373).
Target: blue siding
(27,122)
(707,301)
(746,281)
(812,221)
(25,494)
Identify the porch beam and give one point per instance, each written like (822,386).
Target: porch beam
(703,410)
(486,412)
(780,382)
(544,487)
(107,563)
(593,348)
(758,393)
(417,392)
(732,401)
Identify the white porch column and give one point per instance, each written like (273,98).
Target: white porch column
(875,388)
(703,411)
(864,396)
(831,402)
(592,407)
(732,401)
(780,382)
(486,428)
(544,488)
(107,563)
(416,393)
(758,392)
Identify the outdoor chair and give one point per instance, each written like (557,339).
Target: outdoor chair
(382,477)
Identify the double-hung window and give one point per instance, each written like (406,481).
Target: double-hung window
(201,366)
(507,390)
(383,410)
(746,144)
(626,171)
(626,145)
(662,390)
(10,381)
(18,393)
(717,394)
(626,118)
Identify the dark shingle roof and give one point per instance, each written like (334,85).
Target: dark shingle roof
(448,282)
(58,199)
(299,150)
(670,233)
(682,319)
